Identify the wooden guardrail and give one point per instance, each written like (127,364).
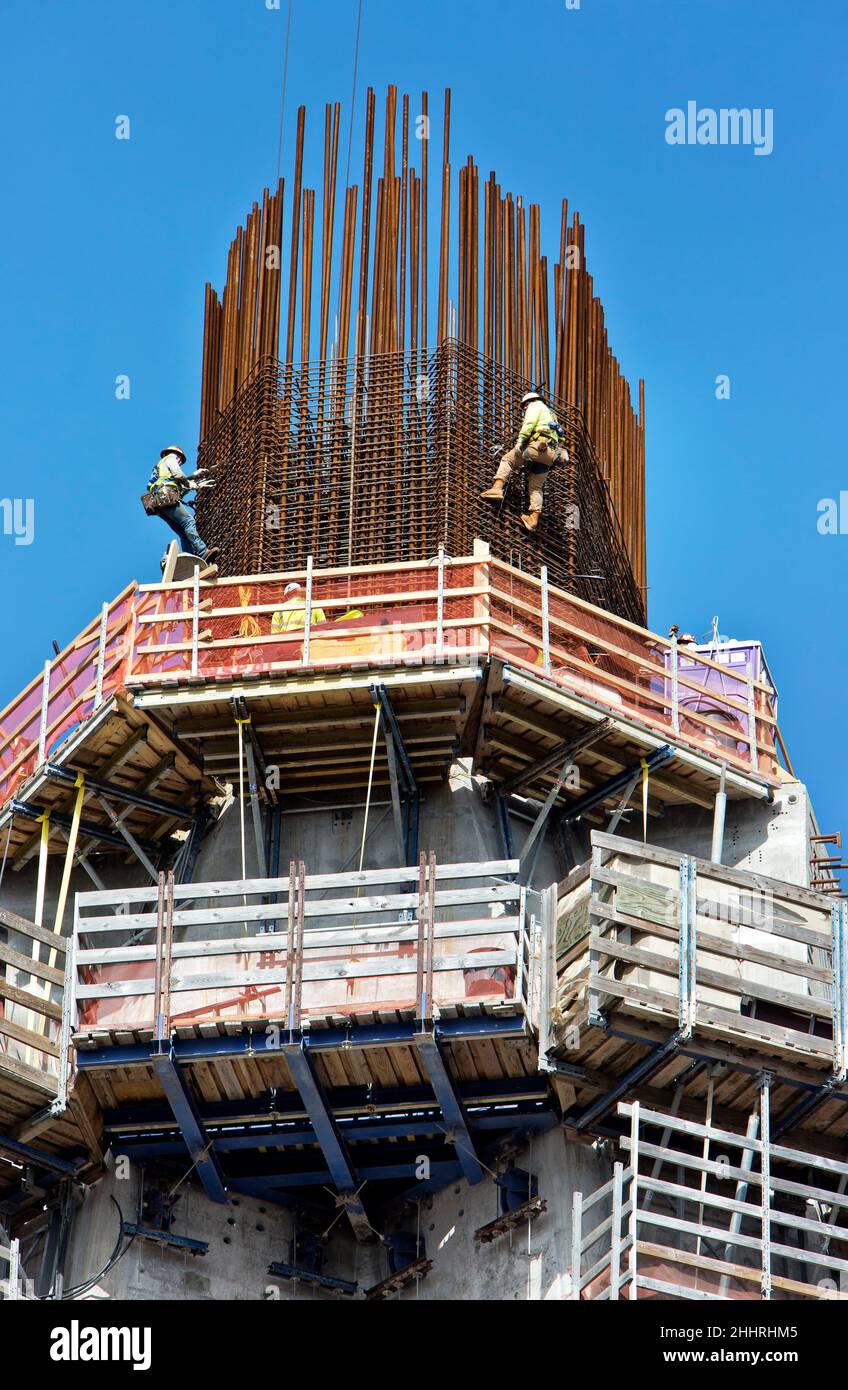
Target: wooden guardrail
(289,949)
(30,1016)
(702,1214)
(718,949)
(421,612)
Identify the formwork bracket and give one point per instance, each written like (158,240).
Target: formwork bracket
(187,1116)
(331,1143)
(453,1113)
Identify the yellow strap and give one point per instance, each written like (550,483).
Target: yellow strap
(646,772)
(42,869)
(69,862)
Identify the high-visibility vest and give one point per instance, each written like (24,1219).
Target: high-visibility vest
(292,616)
(160,477)
(539,423)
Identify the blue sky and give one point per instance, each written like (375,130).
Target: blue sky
(709,261)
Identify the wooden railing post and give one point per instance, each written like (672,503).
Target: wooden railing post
(440,605)
(42,725)
(101,656)
(307,620)
(546,623)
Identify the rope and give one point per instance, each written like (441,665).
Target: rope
(283,96)
(353,94)
(370,783)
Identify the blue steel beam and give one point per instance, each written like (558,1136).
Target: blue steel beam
(637,1074)
(328,1136)
(267,1137)
(187,1116)
(450,1105)
(36,1158)
(345,1102)
(326,1040)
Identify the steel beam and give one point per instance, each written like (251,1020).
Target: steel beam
(450,1105)
(37,1158)
(332,1145)
(248,1044)
(563,753)
(156,805)
(187,1116)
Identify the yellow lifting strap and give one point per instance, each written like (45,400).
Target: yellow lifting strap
(69,863)
(646,774)
(42,872)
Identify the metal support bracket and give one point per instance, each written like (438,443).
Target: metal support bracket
(453,1113)
(332,1145)
(187,1116)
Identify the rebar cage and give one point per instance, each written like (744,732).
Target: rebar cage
(381,459)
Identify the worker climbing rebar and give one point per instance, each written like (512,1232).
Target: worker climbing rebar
(538,446)
(166,490)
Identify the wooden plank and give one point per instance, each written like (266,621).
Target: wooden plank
(36,1041)
(30,1001)
(743,878)
(667,965)
(273,943)
(229,888)
(13,922)
(338,970)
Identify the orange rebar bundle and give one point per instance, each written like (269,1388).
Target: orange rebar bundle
(376,448)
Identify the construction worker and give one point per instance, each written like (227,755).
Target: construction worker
(169,479)
(292,616)
(538,446)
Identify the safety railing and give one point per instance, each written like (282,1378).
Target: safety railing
(32,979)
(71,687)
(419,612)
(14,1283)
(290,950)
(712,949)
(633,672)
(698,1212)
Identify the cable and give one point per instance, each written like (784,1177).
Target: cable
(353,94)
(283,96)
(370,781)
(113,1259)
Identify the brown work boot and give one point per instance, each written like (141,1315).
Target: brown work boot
(495,492)
(530,520)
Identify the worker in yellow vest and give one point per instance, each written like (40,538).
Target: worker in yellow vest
(291,617)
(167,487)
(539,448)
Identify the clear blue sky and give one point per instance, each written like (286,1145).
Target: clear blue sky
(709,260)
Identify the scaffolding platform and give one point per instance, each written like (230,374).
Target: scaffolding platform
(703,1212)
(476,659)
(677,977)
(354,1023)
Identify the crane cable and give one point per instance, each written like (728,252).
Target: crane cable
(283,95)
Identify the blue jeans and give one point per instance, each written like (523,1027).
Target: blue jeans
(181,519)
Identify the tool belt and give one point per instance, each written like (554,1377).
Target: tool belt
(168,495)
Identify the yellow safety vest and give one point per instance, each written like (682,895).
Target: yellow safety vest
(292,616)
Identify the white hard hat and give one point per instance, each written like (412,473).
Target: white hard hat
(173,449)
(530,396)
(291,589)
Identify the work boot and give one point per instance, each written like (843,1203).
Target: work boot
(211,555)
(530,520)
(495,492)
